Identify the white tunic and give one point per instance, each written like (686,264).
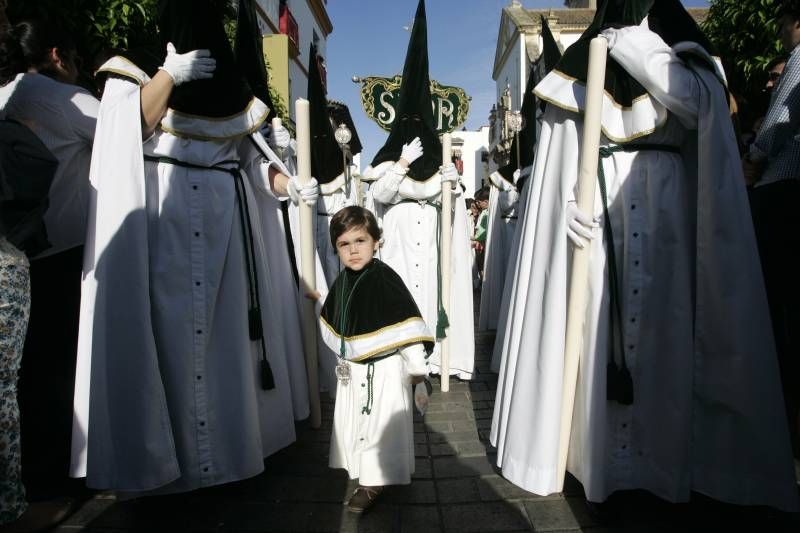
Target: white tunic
(377,448)
(707,413)
(176,401)
(410,230)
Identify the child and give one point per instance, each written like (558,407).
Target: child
(370,319)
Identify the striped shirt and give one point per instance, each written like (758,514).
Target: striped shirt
(776,142)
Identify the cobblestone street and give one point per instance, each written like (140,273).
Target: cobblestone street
(456,487)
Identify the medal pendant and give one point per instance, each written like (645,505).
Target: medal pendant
(343,372)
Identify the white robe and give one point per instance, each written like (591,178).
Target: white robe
(707,413)
(377,448)
(499,237)
(410,233)
(175,401)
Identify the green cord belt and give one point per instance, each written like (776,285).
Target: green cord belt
(619,383)
(254,305)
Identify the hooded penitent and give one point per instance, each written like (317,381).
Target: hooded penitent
(326,156)
(527,137)
(629,111)
(414,111)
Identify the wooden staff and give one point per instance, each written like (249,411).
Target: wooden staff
(579,280)
(446,252)
(308,280)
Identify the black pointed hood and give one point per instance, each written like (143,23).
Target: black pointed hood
(668,18)
(326,156)
(198,24)
(551,54)
(414,112)
(340,114)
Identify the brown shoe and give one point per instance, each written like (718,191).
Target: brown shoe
(363,498)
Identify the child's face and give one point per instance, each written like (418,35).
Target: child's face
(356,248)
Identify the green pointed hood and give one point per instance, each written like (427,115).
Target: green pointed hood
(628,111)
(574,64)
(414,112)
(326,156)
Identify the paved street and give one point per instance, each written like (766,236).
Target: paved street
(456,488)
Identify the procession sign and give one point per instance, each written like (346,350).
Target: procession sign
(379,97)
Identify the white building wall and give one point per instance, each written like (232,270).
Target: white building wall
(472,145)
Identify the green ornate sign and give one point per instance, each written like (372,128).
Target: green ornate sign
(379,97)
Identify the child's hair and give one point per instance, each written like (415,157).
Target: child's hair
(353,217)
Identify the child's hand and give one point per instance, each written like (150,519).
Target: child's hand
(421,398)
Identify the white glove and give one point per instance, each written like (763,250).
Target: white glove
(579,226)
(279,138)
(412,151)
(506,185)
(449,174)
(523,173)
(194,65)
(299,193)
(516,175)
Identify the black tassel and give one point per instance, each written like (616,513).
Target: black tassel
(625,383)
(267,380)
(612,381)
(254,320)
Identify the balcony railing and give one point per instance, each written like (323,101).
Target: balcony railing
(288,24)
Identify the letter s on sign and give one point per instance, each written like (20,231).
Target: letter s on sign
(387,116)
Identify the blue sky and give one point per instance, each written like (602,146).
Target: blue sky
(368,39)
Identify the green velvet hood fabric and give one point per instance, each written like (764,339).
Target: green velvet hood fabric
(414,111)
